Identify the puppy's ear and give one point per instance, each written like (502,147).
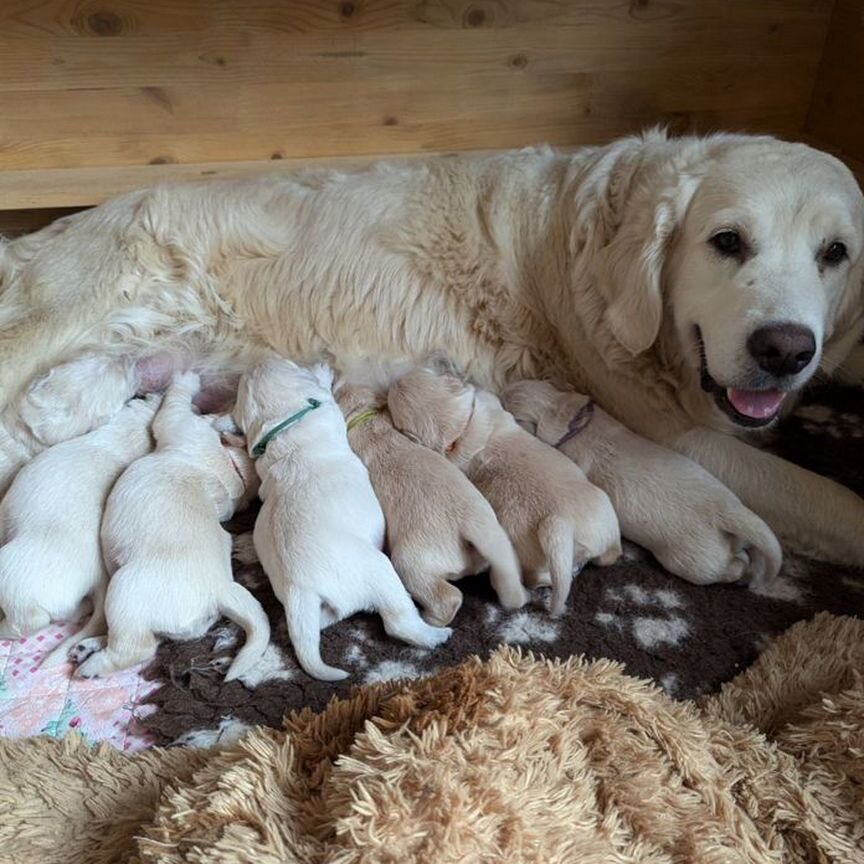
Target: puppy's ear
(555,422)
(323,375)
(528,401)
(229,434)
(233,439)
(631,265)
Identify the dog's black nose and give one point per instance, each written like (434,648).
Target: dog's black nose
(782,349)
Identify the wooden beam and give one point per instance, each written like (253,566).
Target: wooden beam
(86,187)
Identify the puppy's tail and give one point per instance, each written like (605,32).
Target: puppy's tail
(237,604)
(303,612)
(557,541)
(96,626)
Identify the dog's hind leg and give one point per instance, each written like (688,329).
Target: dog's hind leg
(95,626)
(303,614)
(493,544)
(399,614)
(122,652)
(439,599)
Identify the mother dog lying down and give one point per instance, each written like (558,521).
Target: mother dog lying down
(690,286)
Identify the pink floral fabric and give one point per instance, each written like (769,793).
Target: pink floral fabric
(36,701)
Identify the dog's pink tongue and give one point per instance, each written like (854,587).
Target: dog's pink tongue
(758,404)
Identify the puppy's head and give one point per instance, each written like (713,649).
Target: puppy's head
(432,409)
(77,397)
(274,390)
(542,408)
(353,398)
(745,256)
(234,443)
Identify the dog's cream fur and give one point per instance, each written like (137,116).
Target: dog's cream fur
(168,557)
(439,527)
(320,533)
(694,526)
(555,517)
(50,558)
(594,264)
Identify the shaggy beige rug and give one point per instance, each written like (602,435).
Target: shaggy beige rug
(515,759)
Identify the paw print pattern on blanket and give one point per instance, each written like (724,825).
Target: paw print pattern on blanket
(654,617)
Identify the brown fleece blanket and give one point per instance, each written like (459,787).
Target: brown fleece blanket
(515,759)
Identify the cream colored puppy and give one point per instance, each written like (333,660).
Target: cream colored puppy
(50,559)
(320,531)
(439,527)
(556,519)
(695,527)
(69,400)
(168,556)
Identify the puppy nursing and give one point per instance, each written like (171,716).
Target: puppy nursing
(320,531)
(439,527)
(694,526)
(555,518)
(168,556)
(50,559)
(63,404)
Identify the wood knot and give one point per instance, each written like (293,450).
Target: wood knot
(653,10)
(518,61)
(104,23)
(347,9)
(474,17)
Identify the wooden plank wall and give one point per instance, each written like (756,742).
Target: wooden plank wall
(836,116)
(139,87)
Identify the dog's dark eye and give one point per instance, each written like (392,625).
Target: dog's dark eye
(834,254)
(727,243)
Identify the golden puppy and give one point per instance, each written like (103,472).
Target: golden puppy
(555,518)
(439,527)
(695,527)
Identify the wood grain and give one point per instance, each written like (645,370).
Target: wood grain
(133,82)
(837,110)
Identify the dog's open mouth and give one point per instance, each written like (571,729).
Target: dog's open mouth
(751,408)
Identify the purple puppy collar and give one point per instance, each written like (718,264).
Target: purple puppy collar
(577,423)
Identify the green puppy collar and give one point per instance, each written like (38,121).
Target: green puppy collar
(261,446)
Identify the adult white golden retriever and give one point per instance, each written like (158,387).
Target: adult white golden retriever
(690,286)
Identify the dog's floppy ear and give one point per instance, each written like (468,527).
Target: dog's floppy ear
(631,267)
(323,375)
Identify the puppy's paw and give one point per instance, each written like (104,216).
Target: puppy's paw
(447,602)
(95,666)
(189,381)
(432,637)
(86,648)
(515,597)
